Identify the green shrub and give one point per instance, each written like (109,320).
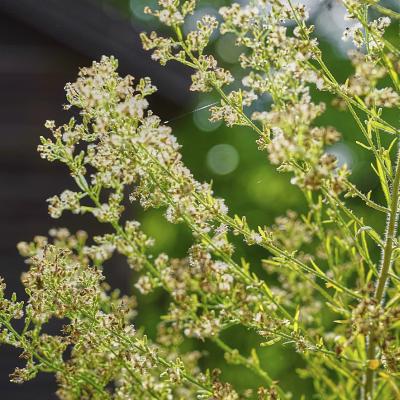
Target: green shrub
(323,293)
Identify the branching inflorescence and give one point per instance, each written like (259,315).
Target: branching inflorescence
(322,260)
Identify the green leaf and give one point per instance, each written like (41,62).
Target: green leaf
(383,127)
(271,342)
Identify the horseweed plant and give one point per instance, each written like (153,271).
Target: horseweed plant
(320,263)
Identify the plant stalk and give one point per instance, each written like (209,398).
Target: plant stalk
(386,263)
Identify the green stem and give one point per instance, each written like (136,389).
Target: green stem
(386,11)
(387,260)
(366,199)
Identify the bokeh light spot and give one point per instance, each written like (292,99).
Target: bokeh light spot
(222,159)
(201,116)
